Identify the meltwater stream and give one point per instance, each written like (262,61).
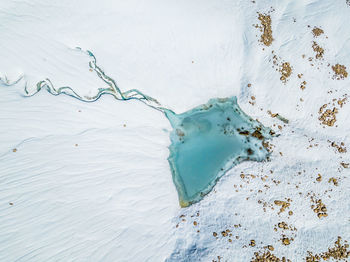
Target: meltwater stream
(206,141)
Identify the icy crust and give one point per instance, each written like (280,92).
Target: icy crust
(209,140)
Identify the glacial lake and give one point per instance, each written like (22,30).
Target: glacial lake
(209,140)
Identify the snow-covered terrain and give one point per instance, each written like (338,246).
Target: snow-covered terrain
(91,182)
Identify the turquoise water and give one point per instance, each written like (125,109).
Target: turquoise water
(205,142)
(209,140)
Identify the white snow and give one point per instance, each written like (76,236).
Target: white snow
(111,197)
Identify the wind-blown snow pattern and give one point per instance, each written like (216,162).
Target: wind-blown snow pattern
(91,182)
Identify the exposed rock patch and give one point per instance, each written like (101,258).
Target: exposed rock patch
(339,72)
(339,253)
(266,36)
(317,31)
(318,50)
